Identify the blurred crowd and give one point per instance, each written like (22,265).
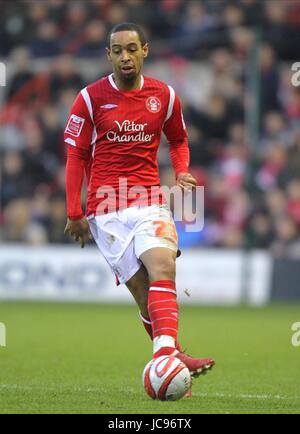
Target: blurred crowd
(251,174)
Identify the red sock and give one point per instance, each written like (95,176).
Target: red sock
(148,327)
(163,312)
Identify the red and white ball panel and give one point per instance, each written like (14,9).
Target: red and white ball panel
(166,378)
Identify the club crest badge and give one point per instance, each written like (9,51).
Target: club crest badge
(153,104)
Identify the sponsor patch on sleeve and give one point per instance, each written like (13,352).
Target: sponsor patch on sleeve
(74,126)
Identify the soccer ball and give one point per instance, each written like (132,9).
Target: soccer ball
(166,378)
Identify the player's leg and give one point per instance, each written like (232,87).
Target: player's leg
(123,245)
(138,285)
(160,263)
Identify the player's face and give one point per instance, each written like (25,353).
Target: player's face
(127,55)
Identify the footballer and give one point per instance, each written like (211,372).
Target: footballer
(113,134)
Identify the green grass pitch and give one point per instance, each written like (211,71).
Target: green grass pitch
(71,358)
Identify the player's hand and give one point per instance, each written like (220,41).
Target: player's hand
(186,181)
(78,230)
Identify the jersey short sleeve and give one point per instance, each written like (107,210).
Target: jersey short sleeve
(80,131)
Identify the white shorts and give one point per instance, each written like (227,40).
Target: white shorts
(123,236)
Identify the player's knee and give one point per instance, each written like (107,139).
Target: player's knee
(163,270)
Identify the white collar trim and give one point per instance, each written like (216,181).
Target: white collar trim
(113,84)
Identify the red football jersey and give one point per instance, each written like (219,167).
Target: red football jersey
(118,133)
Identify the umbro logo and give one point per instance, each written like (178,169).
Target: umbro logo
(109,106)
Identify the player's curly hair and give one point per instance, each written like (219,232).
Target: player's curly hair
(130,27)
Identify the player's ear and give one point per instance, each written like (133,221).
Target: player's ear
(145,50)
(108,53)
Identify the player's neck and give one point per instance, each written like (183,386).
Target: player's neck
(127,85)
